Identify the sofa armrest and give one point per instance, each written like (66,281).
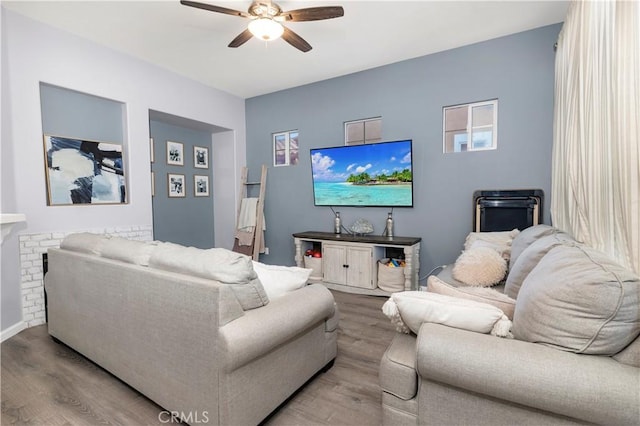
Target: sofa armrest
(591,388)
(260,330)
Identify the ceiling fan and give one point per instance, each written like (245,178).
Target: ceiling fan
(266,21)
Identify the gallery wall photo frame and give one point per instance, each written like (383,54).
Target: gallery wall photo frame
(201,185)
(84,172)
(175,153)
(176,185)
(200,157)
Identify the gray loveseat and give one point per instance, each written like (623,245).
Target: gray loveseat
(213,352)
(575,358)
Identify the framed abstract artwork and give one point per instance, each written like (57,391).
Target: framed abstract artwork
(200,157)
(176,185)
(175,153)
(81,171)
(201,185)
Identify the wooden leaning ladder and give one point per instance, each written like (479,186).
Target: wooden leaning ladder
(254,249)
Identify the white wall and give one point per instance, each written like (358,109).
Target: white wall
(34,53)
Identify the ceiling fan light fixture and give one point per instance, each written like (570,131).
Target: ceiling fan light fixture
(266,28)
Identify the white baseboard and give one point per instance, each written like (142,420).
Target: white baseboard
(12,331)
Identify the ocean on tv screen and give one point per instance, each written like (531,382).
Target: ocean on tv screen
(379,174)
(347,194)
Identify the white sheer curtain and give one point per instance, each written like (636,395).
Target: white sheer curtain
(596,161)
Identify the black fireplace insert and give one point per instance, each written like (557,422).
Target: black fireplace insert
(504,210)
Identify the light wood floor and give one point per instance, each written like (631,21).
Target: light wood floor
(44,383)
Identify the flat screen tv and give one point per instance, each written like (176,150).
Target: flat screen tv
(370,175)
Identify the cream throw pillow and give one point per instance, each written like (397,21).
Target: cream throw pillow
(480,266)
(279,280)
(407,310)
(499,241)
(479,294)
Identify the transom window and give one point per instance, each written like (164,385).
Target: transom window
(470,127)
(359,132)
(285,148)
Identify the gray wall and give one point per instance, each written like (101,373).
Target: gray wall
(409,95)
(189,220)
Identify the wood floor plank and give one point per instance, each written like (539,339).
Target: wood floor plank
(45,383)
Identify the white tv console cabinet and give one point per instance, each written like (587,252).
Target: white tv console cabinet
(349,262)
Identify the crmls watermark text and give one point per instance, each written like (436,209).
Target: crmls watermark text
(186,417)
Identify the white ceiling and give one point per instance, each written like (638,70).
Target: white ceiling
(193,42)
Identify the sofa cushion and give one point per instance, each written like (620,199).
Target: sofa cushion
(630,355)
(499,241)
(408,310)
(130,251)
(480,266)
(577,299)
(529,258)
(279,280)
(218,264)
(446,275)
(526,237)
(398,367)
(479,294)
(84,242)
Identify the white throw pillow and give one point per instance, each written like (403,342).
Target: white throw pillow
(479,294)
(409,309)
(480,266)
(499,241)
(279,280)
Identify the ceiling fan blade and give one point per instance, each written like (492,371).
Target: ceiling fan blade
(295,40)
(242,38)
(313,13)
(213,8)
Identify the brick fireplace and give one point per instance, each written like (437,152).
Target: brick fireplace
(32,247)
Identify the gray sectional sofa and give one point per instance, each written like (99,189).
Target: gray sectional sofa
(574,358)
(215,351)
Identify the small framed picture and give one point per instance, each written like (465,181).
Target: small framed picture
(151,150)
(200,157)
(176,185)
(201,185)
(175,153)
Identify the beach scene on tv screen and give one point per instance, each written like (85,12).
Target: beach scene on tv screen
(363,175)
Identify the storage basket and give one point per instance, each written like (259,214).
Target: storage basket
(315,264)
(390,279)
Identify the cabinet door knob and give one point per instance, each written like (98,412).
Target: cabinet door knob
(345,266)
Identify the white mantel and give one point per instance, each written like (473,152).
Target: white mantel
(7,220)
